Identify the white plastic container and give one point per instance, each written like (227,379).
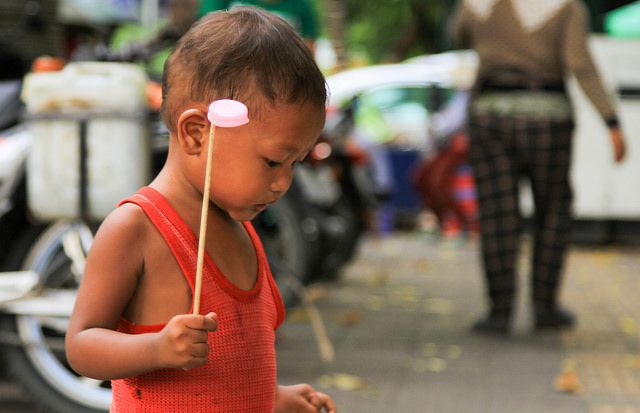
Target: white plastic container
(111,97)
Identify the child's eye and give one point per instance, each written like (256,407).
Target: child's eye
(272,164)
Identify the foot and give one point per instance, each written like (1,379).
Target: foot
(556,318)
(494,323)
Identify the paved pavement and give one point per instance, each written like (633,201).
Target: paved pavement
(399,320)
(400,317)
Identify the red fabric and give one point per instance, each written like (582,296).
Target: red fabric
(240,375)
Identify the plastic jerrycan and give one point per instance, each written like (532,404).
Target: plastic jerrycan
(102,104)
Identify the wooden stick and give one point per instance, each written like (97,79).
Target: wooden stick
(325,346)
(202,239)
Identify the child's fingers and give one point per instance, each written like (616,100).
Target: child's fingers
(202,322)
(319,400)
(184,341)
(195,355)
(199,351)
(194,362)
(197,336)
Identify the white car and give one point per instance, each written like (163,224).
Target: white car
(408,95)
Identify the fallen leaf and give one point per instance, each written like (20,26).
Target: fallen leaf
(380,277)
(348,318)
(438,306)
(568,382)
(342,381)
(297,315)
(628,326)
(437,365)
(454,352)
(317,292)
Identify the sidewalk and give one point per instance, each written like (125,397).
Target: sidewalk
(399,320)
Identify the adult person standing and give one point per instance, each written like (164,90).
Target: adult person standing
(521,125)
(301,14)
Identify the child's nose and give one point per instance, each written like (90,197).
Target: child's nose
(283,180)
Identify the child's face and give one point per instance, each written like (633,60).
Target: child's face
(253,164)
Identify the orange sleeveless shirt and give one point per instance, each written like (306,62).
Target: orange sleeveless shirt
(240,374)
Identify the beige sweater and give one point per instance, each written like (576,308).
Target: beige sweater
(547,39)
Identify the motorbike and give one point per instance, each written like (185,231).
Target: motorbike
(339,158)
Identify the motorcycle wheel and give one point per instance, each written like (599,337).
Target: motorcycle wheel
(291,239)
(341,230)
(39,363)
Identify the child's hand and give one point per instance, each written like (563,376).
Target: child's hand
(323,402)
(302,398)
(182,343)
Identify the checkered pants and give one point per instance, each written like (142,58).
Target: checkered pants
(502,151)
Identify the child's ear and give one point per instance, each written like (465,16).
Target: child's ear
(192,130)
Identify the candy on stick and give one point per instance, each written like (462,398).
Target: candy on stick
(224,113)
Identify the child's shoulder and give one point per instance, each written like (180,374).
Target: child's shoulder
(128,222)
(127,215)
(121,243)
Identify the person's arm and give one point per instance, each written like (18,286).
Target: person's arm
(302,398)
(94,348)
(577,59)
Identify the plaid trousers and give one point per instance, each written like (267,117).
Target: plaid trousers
(504,149)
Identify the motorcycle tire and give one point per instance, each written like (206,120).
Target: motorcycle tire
(342,230)
(36,360)
(291,239)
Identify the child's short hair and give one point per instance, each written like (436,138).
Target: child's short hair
(233,55)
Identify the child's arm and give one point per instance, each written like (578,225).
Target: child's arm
(302,398)
(114,264)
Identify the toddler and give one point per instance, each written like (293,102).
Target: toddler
(133,321)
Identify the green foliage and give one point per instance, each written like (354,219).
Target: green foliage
(375,28)
(396,29)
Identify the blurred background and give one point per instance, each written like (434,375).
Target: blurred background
(375,247)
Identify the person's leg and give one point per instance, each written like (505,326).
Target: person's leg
(492,157)
(549,146)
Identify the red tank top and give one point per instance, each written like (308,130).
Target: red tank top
(240,375)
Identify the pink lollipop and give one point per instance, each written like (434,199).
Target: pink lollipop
(228,113)
(225,113)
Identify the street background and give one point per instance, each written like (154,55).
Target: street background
(399,314)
